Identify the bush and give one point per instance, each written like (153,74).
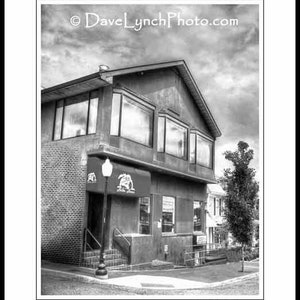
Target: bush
(251,253)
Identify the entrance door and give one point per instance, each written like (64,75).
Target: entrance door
(94,220)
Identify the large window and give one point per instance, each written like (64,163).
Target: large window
(200,150)
(131,119)
(168,214)
(198,215)
(145,215)
(172,137)
(75,117)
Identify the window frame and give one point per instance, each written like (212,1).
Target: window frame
(177,122)
(140,102)
(64,100)
(202,215)
(173,217)
(150,215)
(205,137)
(215,207)
(220,206)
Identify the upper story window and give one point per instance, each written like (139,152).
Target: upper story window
(172,137)
(132,118)
(75,116)
(201,150)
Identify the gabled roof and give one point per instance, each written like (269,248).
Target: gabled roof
(103,78)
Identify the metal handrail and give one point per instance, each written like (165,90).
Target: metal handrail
(87,231)
(122,235)
(118,234)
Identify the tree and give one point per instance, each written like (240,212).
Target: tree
(241,196)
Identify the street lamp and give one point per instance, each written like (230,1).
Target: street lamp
(101,272)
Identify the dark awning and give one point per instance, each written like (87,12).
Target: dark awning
(126,181)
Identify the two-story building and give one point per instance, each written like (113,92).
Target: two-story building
(154,125)
(215,215)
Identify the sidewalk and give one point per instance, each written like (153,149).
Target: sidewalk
(187,278)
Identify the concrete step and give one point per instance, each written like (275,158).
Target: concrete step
(106,257)
(109,263)
(123,267)
(97,252)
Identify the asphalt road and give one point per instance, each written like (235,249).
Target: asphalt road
(59,284)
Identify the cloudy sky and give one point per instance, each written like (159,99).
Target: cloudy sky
(224,61)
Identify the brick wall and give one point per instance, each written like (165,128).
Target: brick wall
(63,196)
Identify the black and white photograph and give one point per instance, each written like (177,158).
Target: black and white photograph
(150,136)
(149,149)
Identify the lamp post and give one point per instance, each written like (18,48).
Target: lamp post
(101,272)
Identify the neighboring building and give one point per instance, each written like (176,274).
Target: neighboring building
(153,124)
(215,215)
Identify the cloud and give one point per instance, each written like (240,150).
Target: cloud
(224,61)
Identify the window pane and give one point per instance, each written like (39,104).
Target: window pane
(215,200)
(136,122)
(58,120)
(93,115)
(197,216)
(161,134)
(168,214)
(75,119)
(217,207)
(192,148)
(204,152)
(175,139)
(115,114)
(145,215)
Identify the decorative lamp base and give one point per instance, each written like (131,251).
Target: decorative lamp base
(101,272)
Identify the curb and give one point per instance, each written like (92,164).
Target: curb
(198,285)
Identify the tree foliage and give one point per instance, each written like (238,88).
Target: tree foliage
(242,193)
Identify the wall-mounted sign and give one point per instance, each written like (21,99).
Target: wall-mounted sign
(125,184)
(159,223)
(124,180)
(91,177)
(166,248)
(201,239)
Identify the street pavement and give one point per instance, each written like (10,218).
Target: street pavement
(217,279)
(58,284)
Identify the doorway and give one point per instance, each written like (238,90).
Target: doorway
(94,219)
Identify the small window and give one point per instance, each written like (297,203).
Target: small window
(215,207)
(168,214)
(204,152)
(145,215)
(192,148)
(93,110)
(220,207)
(161,134)
(115,114)
(198,216)
(200,150)
(58,119)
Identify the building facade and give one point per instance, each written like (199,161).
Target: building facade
(153,124)
(215,215)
